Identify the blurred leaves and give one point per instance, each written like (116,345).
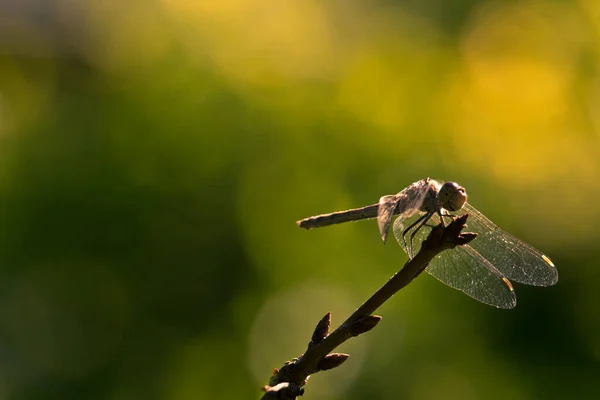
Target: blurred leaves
(155,155)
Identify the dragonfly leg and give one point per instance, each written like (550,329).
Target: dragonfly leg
(442,215)
(404,232)
(422,219)
(412,235)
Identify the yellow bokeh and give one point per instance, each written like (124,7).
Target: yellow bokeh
(256,42)
(118,37)
(514,96)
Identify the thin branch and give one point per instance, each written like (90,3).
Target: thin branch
(294,374)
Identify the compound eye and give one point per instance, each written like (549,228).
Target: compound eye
(452,196)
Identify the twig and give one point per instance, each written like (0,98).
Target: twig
(287,382)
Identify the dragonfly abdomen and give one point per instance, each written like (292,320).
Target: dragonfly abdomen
(354,214)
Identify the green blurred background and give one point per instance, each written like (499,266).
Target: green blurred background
(155,155)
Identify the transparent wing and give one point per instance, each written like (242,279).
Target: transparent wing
(463,268)
(406,203)
(514,258)
(385,213)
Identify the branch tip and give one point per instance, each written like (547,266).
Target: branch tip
(443,238)
(331,361)
(364,324)
(465,238)
(322,329)
(282,391)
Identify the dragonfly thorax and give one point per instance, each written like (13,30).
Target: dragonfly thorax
(452,196)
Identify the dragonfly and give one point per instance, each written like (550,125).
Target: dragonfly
(482,269)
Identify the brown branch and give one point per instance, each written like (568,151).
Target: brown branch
(287,382)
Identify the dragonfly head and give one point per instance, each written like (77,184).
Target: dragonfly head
(452,196)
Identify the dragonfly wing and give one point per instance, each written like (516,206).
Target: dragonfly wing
(465,269)
(385,213)
(461,268)
(512,257)
(406,203)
